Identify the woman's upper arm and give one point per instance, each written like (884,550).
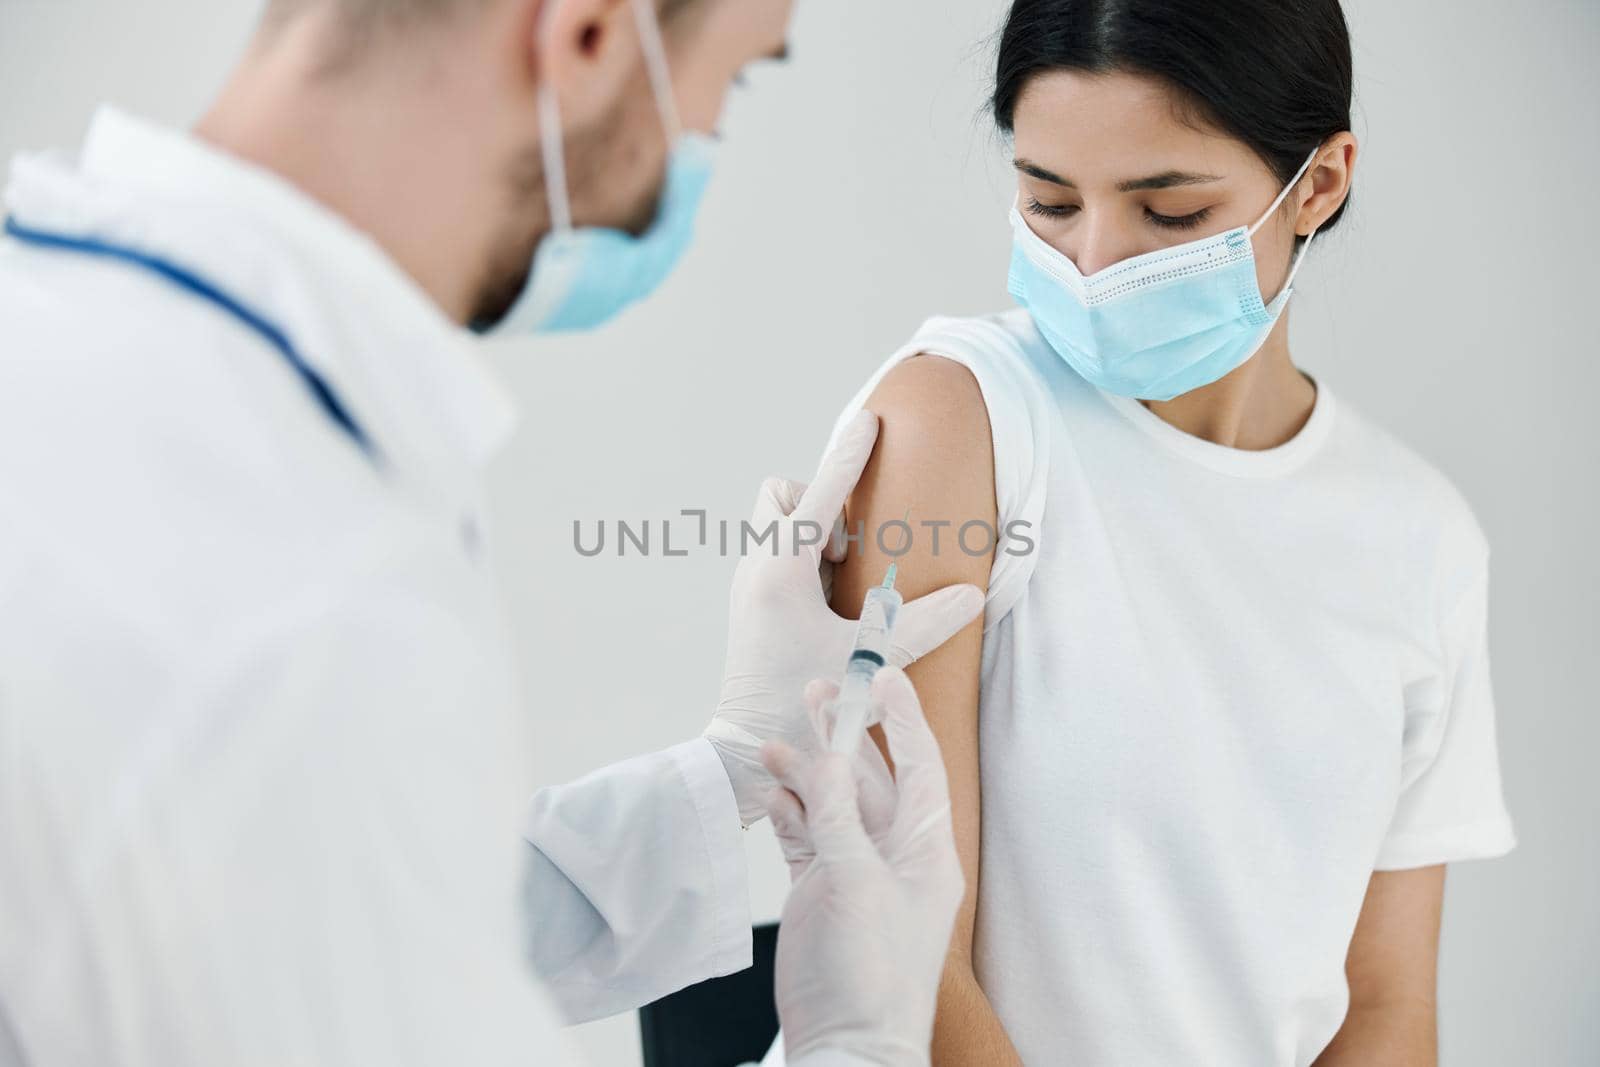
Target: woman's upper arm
(932,473)
(1392,969)
(1394,952)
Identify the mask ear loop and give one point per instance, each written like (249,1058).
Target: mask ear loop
(1300,257)
(555,162)
(551,147)
(655,62)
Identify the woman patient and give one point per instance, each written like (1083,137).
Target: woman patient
(1229,712)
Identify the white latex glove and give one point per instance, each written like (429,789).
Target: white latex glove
(867,924)
(781,631)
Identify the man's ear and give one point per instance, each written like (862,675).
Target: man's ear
(587,50)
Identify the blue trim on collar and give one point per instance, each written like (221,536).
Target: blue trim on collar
(319,388)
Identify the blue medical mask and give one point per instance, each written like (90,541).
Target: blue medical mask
(583,277)
(1158,325)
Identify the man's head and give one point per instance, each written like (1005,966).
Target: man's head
(420,119)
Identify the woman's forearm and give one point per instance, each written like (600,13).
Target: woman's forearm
(967,1031)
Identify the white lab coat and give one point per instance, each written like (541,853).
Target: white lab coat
(261,759)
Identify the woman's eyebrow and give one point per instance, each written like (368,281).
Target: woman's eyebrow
(1166,180)
(1033,170)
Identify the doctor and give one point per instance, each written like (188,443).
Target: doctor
(259,753)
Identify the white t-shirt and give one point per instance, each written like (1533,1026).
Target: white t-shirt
(1222,690)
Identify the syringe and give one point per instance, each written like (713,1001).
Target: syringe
(853,707)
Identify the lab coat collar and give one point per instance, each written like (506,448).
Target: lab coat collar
(413,379)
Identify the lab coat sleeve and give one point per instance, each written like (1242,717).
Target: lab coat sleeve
(635,882)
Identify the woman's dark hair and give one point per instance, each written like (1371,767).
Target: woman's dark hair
(1276,74)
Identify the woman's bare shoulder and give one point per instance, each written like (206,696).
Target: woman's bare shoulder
(934,419)
(931,474)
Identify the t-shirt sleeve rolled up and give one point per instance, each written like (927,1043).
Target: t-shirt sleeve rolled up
(1451,805)
(1020,421)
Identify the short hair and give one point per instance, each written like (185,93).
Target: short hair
(361,12)
(375,14)
(363,20)
(361,23)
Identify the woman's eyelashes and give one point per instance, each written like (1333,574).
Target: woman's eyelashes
(1155,218)
(1178,222)
(1050,211)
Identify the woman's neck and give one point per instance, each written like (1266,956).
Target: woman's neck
(1260,405)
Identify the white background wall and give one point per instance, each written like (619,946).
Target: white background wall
(862,190)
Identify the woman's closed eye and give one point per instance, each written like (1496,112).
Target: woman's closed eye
(1166,222)
(1178,222)
(1050,211)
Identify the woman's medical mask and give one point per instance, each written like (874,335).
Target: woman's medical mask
(584,277)
(1158,325)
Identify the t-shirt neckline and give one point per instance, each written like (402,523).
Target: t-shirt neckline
(1241,462)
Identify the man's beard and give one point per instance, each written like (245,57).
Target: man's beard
(609,149)
(507,276)
(510,263)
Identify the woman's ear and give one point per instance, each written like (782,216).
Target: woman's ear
(1329,176)
(586,50)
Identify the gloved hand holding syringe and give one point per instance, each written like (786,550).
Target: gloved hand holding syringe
(852,709)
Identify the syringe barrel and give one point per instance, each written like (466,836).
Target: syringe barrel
(874,634)
(876,627)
